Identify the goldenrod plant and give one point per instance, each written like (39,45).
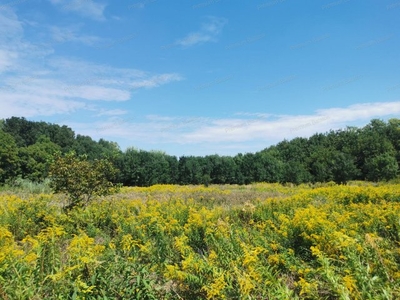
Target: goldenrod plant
(264,241)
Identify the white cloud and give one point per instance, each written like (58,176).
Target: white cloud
(6,59)
(155,81)
(100,93)
(35,82)
(242,130)
(10,39)
(10,26)
(87,8)
(208,33)
(159,118)
(111,112)
(362,110)
(229,136)
(70,34)
(32,105)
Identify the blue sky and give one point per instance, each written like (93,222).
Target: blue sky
(200,77)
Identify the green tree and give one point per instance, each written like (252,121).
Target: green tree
(381,167)
(60,135)
(82,179)
(343,167)
(173,169)
(9,161)
(24,132)
(393,134)
(35,159)
(270,167)
(85,145)
(295,172)
(155,168)
(239,175)
(220,169)
(129,166)
(247,168)
(190,170)
(321,164)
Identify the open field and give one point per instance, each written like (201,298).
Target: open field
(262,241)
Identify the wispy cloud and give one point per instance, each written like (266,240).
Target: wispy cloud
(87,8)
(71,34)
(291,125)
(208,33)
(6,59)
(214,82)
(140,4)
(205,4)
(10,27)
(34,83)
(32,101)
(11,3)
(155,81)
(117,41)
(111,112)
(242,132)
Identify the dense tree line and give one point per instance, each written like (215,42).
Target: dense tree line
(368,153)
(27,148)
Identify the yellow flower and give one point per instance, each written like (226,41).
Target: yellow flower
(127,242)
(274,259)
(50,233)
(274,246)
(212,256)
(31,242)
(315,251)
(306,288)
(251,256)
(214,290)
(111,245)
(245,284)
(350,283)
(31,258)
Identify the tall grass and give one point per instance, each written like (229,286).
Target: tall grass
(27,186)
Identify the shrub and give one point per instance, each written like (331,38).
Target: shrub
(82,179)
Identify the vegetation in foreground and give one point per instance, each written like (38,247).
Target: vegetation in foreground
(264,241)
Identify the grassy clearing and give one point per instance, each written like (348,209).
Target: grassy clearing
(263,241)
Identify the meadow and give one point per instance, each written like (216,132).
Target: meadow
(260,241)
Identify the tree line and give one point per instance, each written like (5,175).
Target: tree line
(369,153)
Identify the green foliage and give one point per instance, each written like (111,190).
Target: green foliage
(27,133)
(190,170)
(81,179)
(84,145)
(343,167)
(130,280)
(35,159)
(296,172)
(8,157)
(381,167)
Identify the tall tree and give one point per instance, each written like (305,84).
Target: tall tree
(9,162)
(190,170)
(35,159)
(381,167)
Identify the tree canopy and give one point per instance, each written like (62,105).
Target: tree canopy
(368,153)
